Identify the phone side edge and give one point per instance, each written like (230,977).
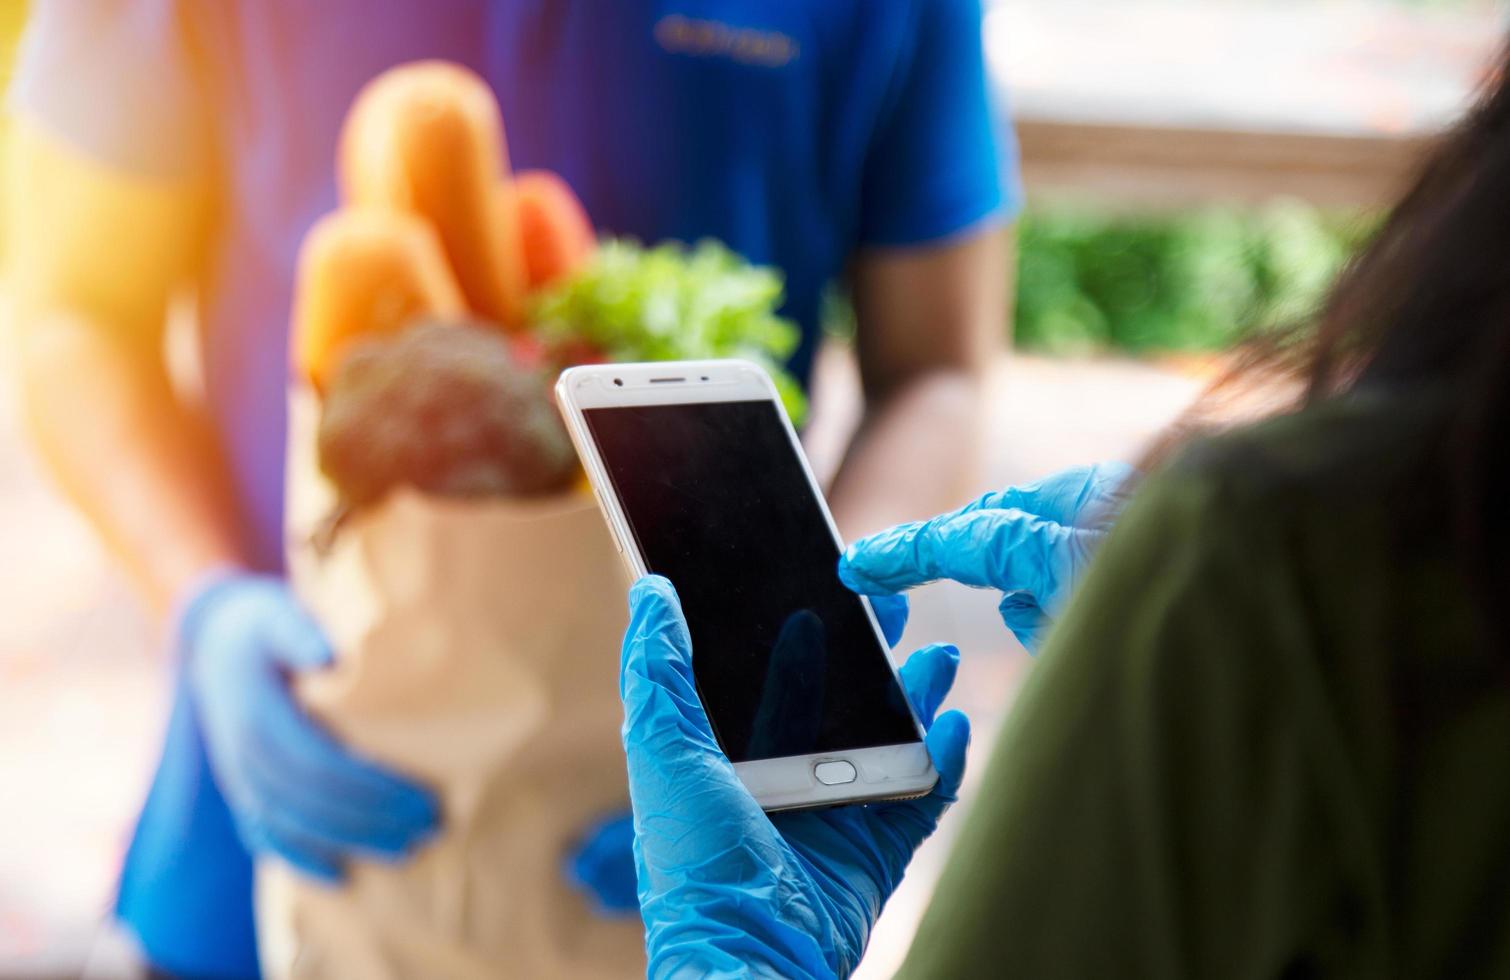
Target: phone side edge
(597,476)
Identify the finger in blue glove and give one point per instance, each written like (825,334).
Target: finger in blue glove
(601,867)
(891,615)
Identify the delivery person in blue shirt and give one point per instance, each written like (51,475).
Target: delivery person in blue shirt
(169,148)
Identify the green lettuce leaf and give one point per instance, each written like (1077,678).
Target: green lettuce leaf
(672,303)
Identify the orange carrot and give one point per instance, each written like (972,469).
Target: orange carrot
(427,138)
(556,232)
(365,272)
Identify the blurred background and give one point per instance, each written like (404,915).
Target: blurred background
(1196,170)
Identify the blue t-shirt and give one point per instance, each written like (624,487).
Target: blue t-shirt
(796,131)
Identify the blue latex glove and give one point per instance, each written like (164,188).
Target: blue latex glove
(602,865)
(891,614)
(292,790)
(725,888)
(1033,542)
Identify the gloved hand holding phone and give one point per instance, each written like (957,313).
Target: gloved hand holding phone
(1033,542)
(602,864)
(292,790)
(724,887)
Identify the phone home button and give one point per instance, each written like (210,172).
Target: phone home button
(834,773)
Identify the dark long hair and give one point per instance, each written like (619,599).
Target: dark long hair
(1425,304)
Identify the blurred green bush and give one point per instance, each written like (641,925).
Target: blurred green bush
(1092,281)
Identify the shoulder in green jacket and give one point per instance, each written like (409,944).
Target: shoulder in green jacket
(1213,770)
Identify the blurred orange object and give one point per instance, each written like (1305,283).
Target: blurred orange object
(365,272)
(427,138)
(557,235)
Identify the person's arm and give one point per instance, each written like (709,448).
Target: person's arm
(931,275)
(106,212)
(96,256)
(931,321)
(1164,799)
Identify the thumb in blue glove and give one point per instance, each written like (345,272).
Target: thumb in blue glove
(725,888)
(891,615)
(292,790)
(1033,542)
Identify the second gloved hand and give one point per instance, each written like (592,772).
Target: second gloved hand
(292,790)
(1033,542)
(601,866)
(724,888)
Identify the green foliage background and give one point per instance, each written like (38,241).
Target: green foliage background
(1189,281)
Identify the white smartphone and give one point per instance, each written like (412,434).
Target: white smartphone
(702,479)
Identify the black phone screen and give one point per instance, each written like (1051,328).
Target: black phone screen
(785,659)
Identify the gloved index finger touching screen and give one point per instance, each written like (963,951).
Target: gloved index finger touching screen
(1034,543)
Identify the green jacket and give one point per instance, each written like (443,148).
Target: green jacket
(1263,741)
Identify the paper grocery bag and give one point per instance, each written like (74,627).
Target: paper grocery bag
(477,650)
